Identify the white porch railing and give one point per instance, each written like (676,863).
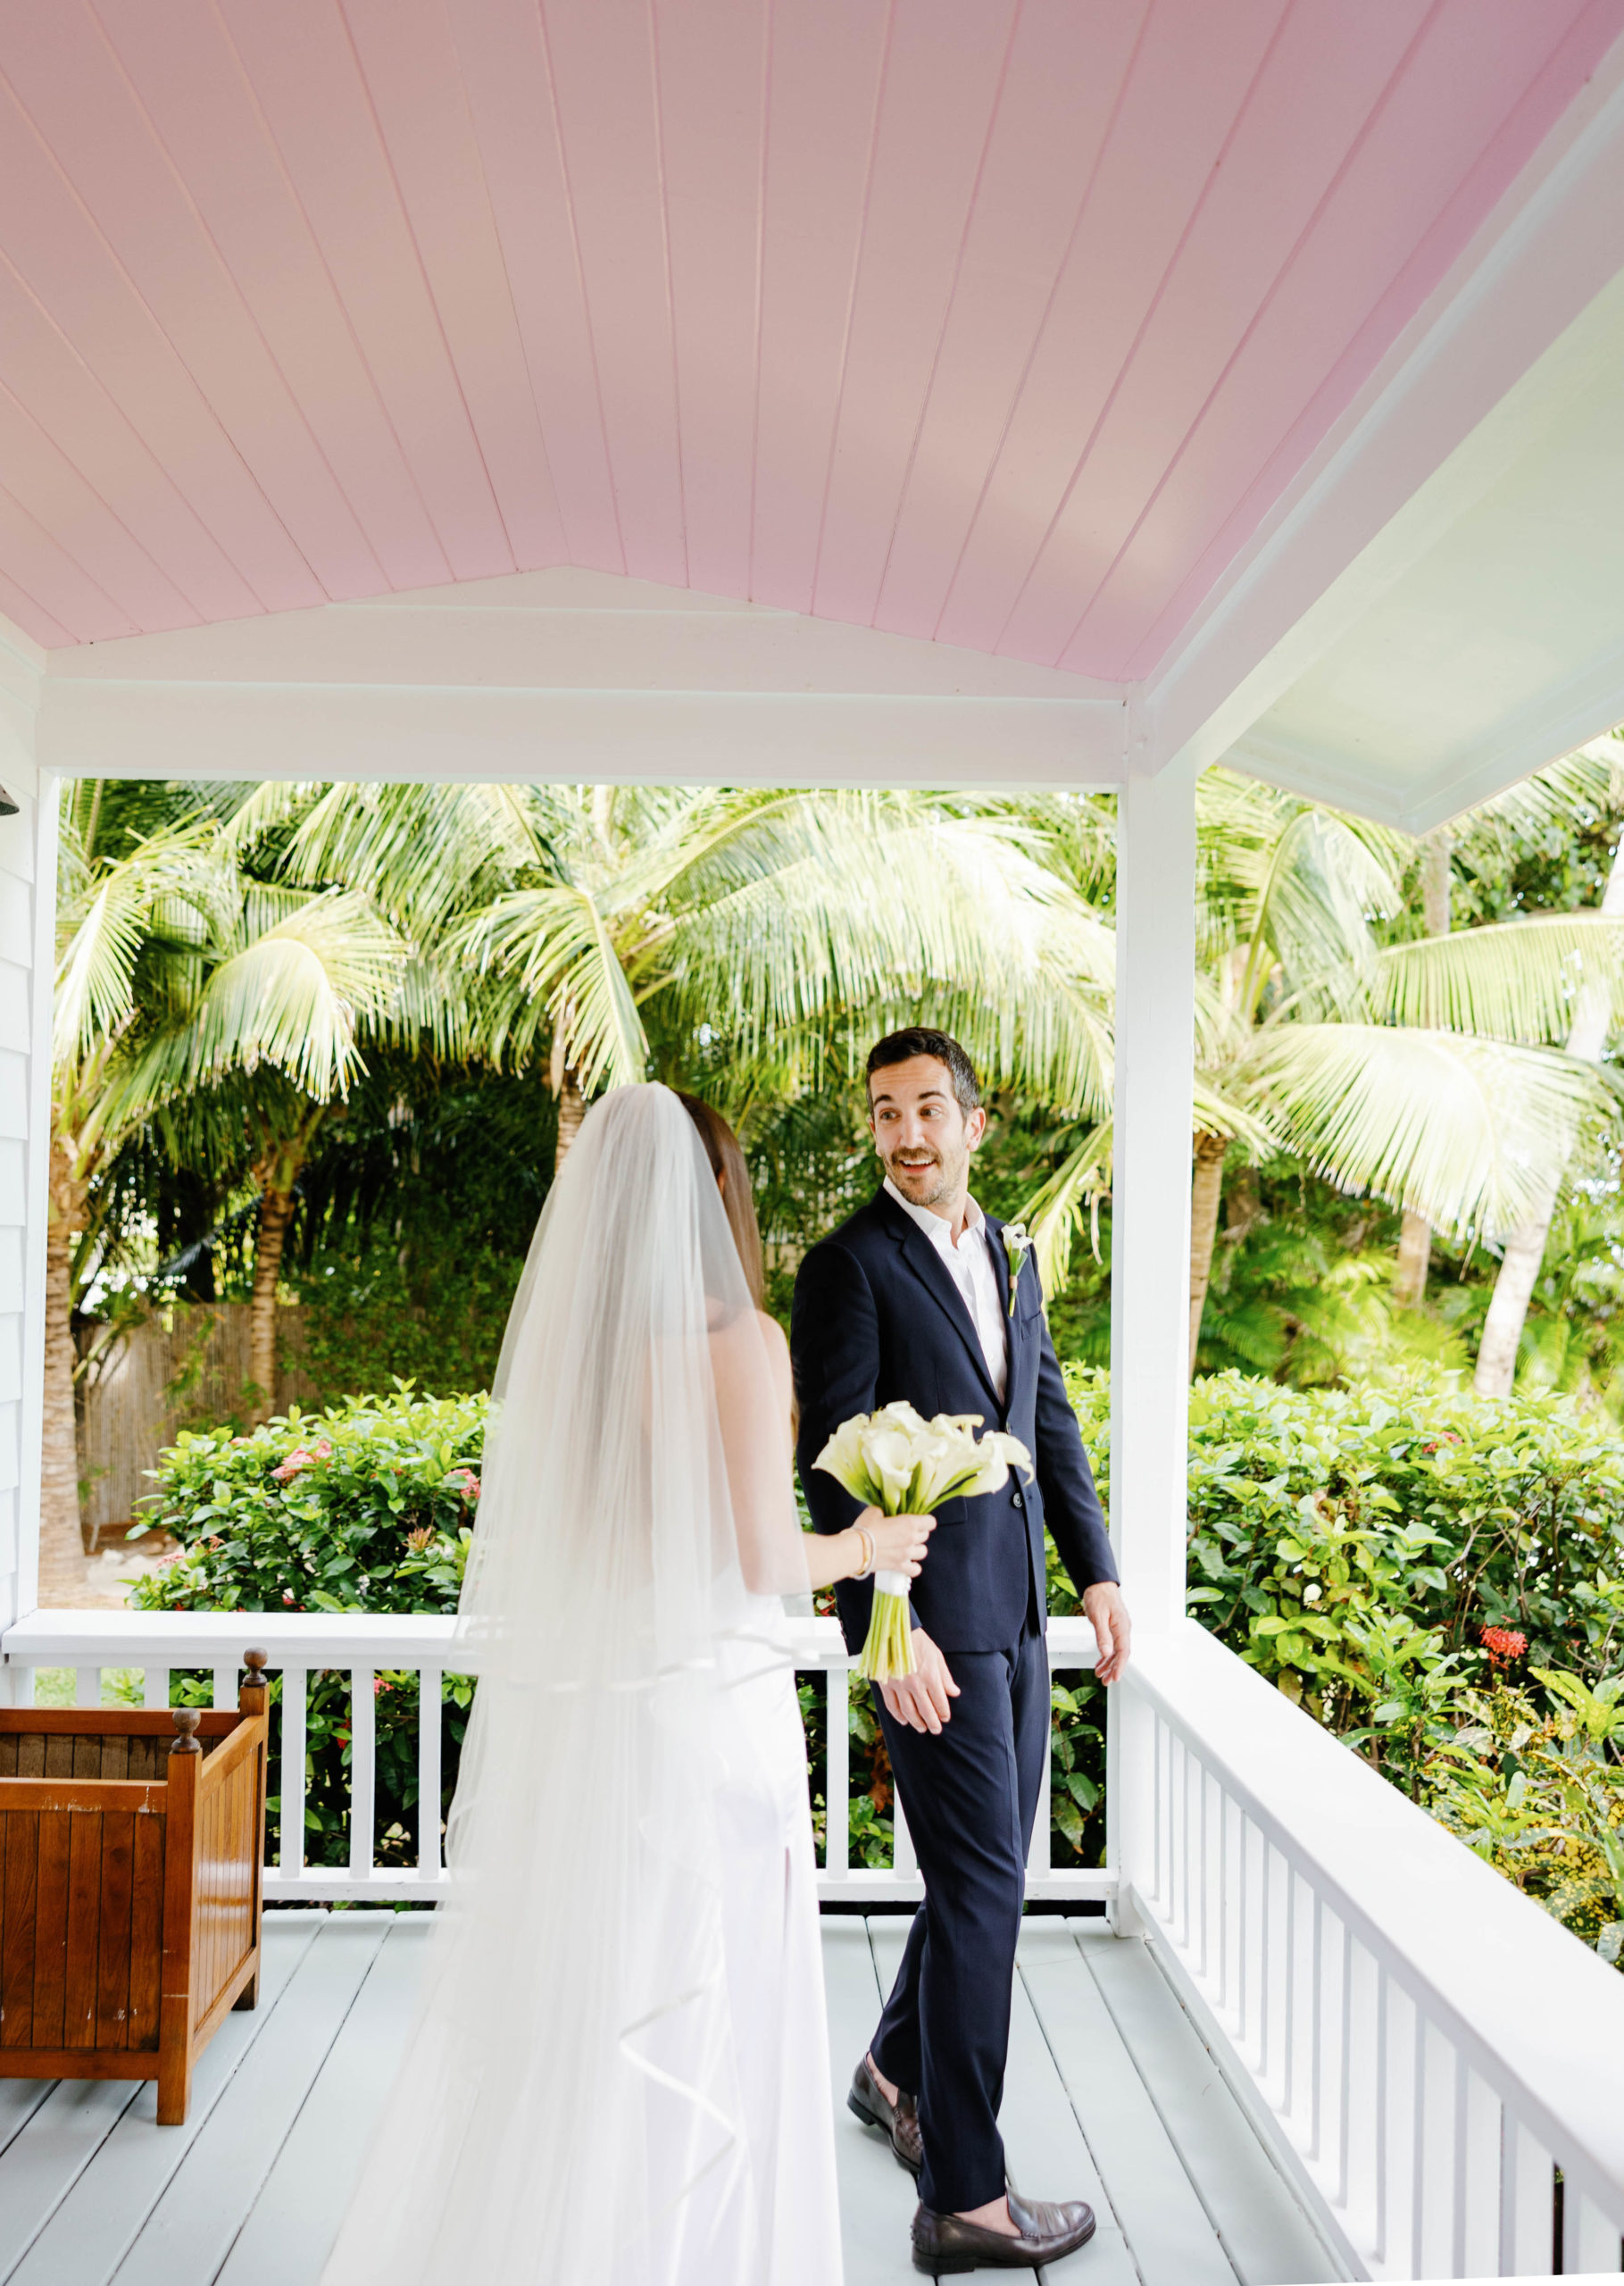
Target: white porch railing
(300,1644)
(1428,2046)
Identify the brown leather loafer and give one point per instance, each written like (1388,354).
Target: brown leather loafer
(1048,2229)
(900,2123)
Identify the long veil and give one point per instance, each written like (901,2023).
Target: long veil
(569,2105)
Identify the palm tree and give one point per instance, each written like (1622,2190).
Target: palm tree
(735,931)
(1414,1070)
(191,995)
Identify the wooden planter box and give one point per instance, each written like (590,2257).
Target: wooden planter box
(130,1852)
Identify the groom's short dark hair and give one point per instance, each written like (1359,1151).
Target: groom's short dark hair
(900,1047)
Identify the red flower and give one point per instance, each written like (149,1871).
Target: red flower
(287,1594)
(1503,1644)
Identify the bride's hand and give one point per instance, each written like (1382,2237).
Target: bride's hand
(900,1542)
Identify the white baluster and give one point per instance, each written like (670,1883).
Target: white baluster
(1590,2240)
(1527,2193)
(87,1686)
(155,1687)
(903,1860)
(225,1687)
(837,1773)
(429,1772)
(295,1682)
(363,1771)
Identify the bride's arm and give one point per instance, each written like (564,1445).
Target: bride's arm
(874,1542)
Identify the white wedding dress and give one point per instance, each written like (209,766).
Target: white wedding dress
(618,2073)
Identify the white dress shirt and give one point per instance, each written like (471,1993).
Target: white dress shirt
(969,1261)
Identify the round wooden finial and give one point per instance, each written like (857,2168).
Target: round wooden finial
(256,1662)
(186,1720)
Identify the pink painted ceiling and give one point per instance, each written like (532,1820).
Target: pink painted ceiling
(1001,321)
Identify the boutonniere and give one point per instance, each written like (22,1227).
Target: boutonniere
(1018,1246)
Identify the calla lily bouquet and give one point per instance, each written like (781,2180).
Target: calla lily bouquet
(896,1461)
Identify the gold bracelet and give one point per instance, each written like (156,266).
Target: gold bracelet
(867,1538)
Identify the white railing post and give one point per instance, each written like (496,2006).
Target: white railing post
(295,1683)
(428,1704)
(364,1771)
(1150,1254)
(837,1772)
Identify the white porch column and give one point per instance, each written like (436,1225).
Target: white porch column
(28,881)
(1150,1254)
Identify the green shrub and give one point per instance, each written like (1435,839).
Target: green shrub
(1384,1555)
(367,1506)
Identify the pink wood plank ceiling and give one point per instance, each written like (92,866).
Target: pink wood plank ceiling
(1001,321)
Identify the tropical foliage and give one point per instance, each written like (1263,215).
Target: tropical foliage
(1438,1580)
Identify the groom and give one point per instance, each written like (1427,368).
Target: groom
(911,1298)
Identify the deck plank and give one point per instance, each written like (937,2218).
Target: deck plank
(1111,2095)
(99,2219)
(1044,2146)
(1166,2228)
(190,2232)
(295,2220)
(41,2164)
(1258,2217)
(877,2196)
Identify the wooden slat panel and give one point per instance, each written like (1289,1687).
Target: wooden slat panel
(84,1929)
(115,1757)
(51,1925)
(113,1962)
(32,1756)
(17,1923)
(146,1931)
(87,1756)
(60,1754)
(8,1758)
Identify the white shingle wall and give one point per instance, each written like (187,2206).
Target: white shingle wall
(27,861)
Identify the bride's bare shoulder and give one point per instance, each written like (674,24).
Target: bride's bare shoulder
(773,1335)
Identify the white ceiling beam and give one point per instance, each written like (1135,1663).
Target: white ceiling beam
(1338,539)
(572,675)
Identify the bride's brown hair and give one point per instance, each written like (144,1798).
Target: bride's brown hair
(727,1166)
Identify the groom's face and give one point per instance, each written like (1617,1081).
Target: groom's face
(923,1138)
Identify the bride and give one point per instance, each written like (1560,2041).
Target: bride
(619,2071)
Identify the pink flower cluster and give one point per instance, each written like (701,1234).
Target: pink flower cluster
(466,1483)
(1503,1644)
(301,1457)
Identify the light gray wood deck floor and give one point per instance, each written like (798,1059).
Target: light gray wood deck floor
(1111,2095)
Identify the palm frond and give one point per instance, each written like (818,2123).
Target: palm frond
(1464,1132)
(1511,980)
(556,952)
(1057,1210)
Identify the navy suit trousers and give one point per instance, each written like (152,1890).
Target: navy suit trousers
(970,1795)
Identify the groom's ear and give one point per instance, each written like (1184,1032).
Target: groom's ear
(975,1126)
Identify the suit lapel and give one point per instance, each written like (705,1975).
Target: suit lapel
(933,1273)
(1017,1328)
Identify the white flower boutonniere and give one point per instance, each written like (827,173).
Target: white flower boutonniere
(1018,1246)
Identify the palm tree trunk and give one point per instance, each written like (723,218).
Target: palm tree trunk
(1525,1249)
(1415,1238)
(62,1538)
(571,1111)
(1414,1260)
(276,1211)
(1206,1195)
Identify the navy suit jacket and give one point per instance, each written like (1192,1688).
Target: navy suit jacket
(877,1318)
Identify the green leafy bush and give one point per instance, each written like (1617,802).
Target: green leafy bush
(1384,1555)
(367,1506)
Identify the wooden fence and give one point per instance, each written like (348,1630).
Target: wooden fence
(183,1368)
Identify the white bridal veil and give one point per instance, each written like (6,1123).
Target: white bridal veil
(568,2109)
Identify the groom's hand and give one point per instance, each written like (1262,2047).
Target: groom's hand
(920,1699)
(1112,1628)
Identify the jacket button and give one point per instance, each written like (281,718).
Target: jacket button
(1021,1500)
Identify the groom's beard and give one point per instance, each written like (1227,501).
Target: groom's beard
(928,1184)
